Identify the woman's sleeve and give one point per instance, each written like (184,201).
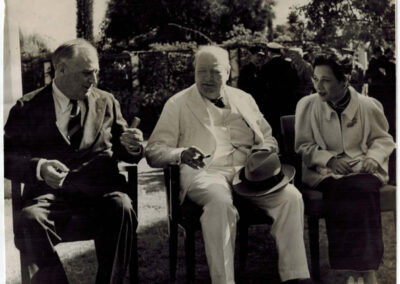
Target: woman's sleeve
(305,145)
(380,143)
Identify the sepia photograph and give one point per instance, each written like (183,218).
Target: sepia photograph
(199,141)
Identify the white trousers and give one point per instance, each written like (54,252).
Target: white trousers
(212,190)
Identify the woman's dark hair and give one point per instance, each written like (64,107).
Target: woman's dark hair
(339,68)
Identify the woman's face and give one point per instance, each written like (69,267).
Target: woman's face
(327,85)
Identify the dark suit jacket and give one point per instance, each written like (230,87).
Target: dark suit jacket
(280,86)
(31,133)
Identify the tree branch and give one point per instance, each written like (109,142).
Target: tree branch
(193,31)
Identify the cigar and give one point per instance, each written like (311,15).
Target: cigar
(135,122)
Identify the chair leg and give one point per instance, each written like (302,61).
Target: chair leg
(134,265)
(243,245)
(25,278)
(190,255)
(313,233)
(173,249)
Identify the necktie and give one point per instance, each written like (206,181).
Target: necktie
(218,102)
(75,130)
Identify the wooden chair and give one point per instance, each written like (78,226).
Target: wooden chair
(313,199)
(79,228)
(187,217)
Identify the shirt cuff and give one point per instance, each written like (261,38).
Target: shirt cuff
(178,158)
(39,165)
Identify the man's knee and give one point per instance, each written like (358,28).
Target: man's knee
(120,204)
(220,208)
(291,194)
(32,216)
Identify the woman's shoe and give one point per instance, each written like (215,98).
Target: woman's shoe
(370,277)
(350,280)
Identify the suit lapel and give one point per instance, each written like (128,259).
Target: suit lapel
(242,106)
(48,113)
(94,119)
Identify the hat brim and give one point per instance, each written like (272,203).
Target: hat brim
(246,188)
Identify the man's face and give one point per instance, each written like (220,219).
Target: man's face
(210,75)
(78,75)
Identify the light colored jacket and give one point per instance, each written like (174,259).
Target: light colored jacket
(320,136)
(185,121)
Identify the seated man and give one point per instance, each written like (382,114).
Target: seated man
(210,129)
(64,141)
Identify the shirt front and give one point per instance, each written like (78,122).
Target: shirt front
(63,107)
(234,137)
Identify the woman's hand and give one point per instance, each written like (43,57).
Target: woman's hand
(369,166)
(339,166)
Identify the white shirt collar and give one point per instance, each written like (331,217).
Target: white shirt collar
(60,99)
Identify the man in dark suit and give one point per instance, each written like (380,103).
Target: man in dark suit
(249,76)
(280,87)
(64,142)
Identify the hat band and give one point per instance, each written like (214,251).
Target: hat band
(267,183)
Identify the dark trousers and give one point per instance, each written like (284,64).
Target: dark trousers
(353,221)
(42,226)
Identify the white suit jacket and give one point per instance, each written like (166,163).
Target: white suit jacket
(185,121)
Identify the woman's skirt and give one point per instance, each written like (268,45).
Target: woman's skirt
(353,221)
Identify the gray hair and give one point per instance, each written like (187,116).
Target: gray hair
(218,52)
(69,49)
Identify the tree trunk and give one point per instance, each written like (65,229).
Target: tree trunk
(84,22)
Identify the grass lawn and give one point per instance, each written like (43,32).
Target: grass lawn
(79,258)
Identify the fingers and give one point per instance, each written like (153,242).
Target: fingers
(342,167)
(60,167)
(131,139)
(131,136)
(369,166)
(193,157)
(53,173)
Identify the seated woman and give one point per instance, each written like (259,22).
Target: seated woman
(345,146)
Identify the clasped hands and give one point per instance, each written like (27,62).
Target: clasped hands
(343,166)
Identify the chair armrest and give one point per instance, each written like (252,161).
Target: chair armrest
(172,187)
(130,171)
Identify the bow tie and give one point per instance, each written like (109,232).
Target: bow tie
(218,102)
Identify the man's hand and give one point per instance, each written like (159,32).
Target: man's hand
(131,138)
(193,157)
(53,173)
(369,166)
(339,166)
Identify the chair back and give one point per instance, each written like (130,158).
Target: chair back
(287,131)
(289,156)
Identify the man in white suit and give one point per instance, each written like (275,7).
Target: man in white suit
(209,129)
